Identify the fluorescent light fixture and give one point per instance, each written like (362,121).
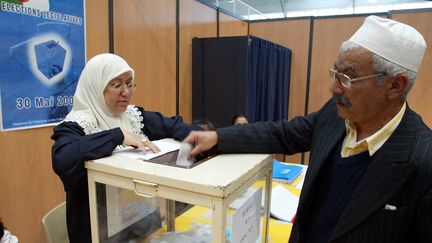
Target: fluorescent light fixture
(362,9)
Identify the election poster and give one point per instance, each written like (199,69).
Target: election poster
(42,54)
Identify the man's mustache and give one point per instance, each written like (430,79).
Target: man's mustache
(342,99)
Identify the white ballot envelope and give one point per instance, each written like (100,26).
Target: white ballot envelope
(182,158)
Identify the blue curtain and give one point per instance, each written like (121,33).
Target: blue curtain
(268,80)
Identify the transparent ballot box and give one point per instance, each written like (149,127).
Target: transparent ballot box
(219,199)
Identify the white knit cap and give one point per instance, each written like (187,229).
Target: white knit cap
(392,40)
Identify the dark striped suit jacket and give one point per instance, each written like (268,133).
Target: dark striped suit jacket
(400,174)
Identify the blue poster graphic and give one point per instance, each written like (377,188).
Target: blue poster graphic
(41,57)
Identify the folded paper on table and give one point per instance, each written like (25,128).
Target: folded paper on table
(283,204)
(165,146)
(285,171)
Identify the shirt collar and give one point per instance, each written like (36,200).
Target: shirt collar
(372,143)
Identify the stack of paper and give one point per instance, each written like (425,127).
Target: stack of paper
(165,146)
(283,204)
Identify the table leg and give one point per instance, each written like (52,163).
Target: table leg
(93,207)
(170,209)
(218,221)
(267,200)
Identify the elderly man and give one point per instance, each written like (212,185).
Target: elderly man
(370,172)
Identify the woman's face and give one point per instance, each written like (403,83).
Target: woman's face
(241,120)
(118,93)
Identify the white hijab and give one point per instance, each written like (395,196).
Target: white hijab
(8,237)
(89,108)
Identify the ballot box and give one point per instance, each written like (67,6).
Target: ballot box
(133,200)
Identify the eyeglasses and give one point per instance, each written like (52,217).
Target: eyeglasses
(129,86)
(346,81)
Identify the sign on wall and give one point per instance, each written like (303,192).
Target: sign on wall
(41,57)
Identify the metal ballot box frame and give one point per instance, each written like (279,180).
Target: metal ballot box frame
(213,184)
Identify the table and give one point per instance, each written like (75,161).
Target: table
(213,184)
(279,231)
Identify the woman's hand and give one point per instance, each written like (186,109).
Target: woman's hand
(136,141)
(148,144)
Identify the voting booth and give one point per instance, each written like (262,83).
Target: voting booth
(244,75)
(134,200)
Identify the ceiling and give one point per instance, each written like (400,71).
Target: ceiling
(268,9)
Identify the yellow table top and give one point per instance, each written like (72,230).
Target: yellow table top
(279,231)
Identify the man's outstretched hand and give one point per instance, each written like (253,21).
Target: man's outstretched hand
(201,141)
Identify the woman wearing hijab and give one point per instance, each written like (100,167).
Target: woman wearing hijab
(101,120)
(6,236)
